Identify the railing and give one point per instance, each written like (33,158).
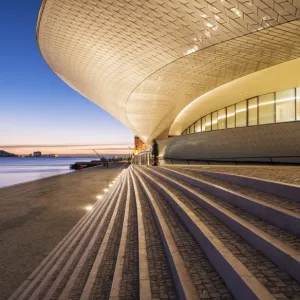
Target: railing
(143,158)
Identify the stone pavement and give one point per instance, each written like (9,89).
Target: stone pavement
(176,232)
(35,216)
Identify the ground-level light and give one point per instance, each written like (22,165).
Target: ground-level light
(89,207)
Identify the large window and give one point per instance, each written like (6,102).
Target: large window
(222,118)
(252,112)
(203,123)
(198,126)
(298,104)
(241,114)
(192,128)
(231,116)
(214,123)
(208,122)
(285,106)
(266,109)
(282,106)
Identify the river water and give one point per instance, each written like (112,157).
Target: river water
(14,170)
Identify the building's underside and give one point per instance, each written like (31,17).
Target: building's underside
(145,61)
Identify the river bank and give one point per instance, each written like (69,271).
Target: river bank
(36,215)
(15,170)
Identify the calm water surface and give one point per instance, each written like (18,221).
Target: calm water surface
(15,170)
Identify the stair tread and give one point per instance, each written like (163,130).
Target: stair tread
(159,271)
(271,276)
(291,205)
(282,174)
(207,281)
(287,238)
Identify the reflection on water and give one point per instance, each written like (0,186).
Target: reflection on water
(14,170)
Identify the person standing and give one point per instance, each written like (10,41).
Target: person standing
(155,153)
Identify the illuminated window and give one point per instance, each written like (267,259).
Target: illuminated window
(266,109)
(222,118)
(198,126)
(203,123)
(282,106)
(192,128)
(208,122)
(230,116)
(214,123)
(252,112)
(285,106)
(241,114)
(298,103)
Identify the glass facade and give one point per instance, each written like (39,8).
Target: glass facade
(297,104)
(198,126)
(285,106)
(230,114)
(214,123)
(266,109)
(192,129)
(277,107)
(241,114)
(222,118)
(203,124)
(252,112)
(208,122)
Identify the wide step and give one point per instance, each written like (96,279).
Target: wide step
(262,268)
(172,233)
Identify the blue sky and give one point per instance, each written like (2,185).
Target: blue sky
(36,107)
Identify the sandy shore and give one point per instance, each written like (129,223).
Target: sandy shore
(35,216)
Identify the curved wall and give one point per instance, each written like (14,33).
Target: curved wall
(273,140)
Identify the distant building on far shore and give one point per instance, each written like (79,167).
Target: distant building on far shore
(6,154)
(37,154)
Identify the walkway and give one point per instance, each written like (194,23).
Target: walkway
(178,233)
(35,216)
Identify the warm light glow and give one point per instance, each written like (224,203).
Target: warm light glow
(110,184)
(241,110)
(89,207)
(236,12)
(99,197)
(231,115)
(105,190)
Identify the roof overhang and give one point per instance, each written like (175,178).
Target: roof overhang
(144,61)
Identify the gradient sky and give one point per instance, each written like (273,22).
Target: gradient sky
(36,107)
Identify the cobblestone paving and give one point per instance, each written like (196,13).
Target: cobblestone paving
(162,286)
(278,282)
(207,281)
(289,239)
(245,191)
(76,260)
(129,289)
(286,174)
(102,285)
(84,274)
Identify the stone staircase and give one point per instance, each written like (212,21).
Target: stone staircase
(178,233)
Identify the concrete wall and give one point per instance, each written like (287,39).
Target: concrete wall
(274,140)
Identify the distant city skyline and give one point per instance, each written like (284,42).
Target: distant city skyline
(37,108)
(104,149)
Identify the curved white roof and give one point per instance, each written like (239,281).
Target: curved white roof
(144,61)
